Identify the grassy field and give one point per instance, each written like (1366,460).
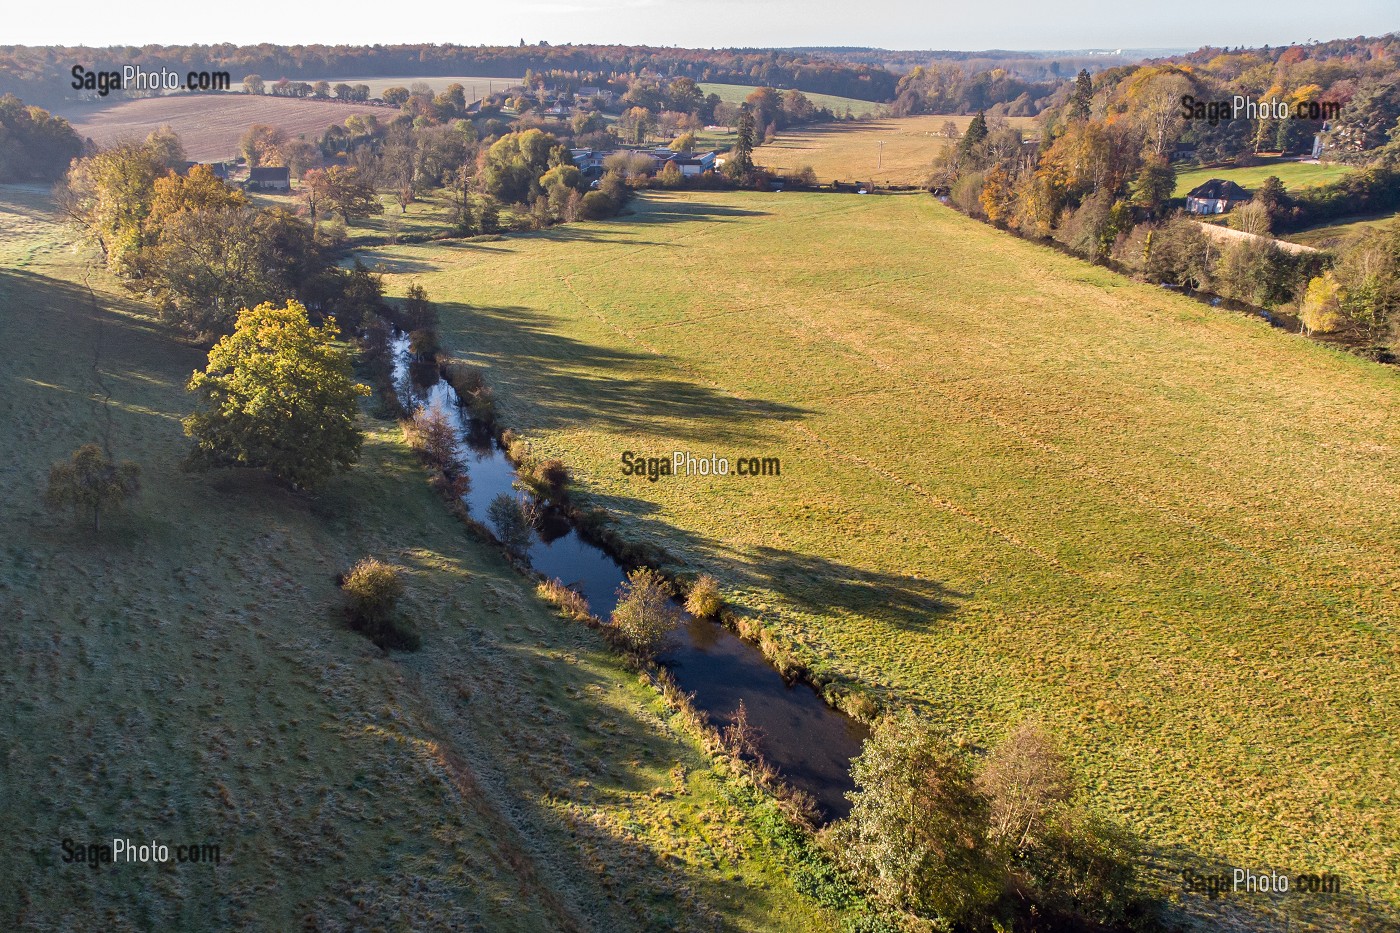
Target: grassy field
(185,677)
(1332,235)
(210,125)
(1292,173)
(897,151)
(1012,485)
(735,94)
(482,85)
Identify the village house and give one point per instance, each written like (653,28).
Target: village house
(692,164)
(1216,196)
(274,178)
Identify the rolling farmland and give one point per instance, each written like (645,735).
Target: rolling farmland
(1013,485)
(210,125)
(890,150)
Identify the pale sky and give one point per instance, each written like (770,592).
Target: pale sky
(895,24)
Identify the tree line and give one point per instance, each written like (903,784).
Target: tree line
(1101,178)
(36,72)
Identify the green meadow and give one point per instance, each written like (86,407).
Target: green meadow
(735,94)
(1332,235)
(1013,485)
(186,676)
(1292,173)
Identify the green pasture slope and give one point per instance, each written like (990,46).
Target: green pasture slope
(1292,173)
(735,94)
(185,677)
(1012,485)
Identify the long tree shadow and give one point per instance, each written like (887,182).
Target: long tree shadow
(567,382)
(810,582)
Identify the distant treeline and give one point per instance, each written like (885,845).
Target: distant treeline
(1027,66)
(41,74)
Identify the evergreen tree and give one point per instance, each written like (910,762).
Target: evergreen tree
(1081,96)
(976,133)
(741,156)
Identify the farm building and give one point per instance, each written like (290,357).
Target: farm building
(219,169)
(694,163)
(275,178)
(1216,196)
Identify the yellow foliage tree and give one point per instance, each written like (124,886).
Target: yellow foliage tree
(1321,311)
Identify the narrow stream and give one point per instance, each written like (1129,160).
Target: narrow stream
(809,742)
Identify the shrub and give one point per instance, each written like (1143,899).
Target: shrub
(88,482)
(645,615)
(423,343)
(568,601)
(470,385)
(703,601)
(1005,847)
(546,478)
(434,438)
(597,205)
(374,588)
(917,829)
(512,523)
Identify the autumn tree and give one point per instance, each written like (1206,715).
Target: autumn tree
(1026,782)
(278,395)
(262,145)
(108,197)
(338,189)
(89,483)
(164,143)
(37,146)
(373,588)
(645,615)
(253,84)
(998,197)
(1251,218)
(206,255)
(1321,309)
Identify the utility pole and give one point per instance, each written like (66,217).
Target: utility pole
(882,156)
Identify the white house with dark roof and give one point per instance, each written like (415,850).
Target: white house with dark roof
(1216,196)
(271,178)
